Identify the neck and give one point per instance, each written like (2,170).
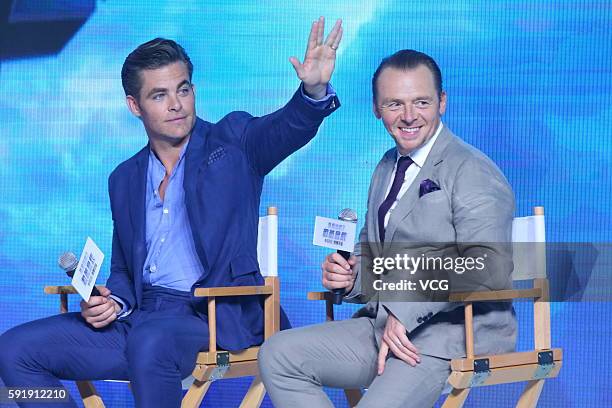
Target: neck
(168,153)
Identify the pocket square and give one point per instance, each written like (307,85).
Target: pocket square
(216,154)
(427,186)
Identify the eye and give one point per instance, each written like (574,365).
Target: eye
(157,96)
(184,91)
(392,106)
(422,104)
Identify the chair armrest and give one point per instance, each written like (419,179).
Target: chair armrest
(63,290)
(494,295)
(271,306)
(60,290)
(327,296)
(320,295)
(232,291)
(505,360)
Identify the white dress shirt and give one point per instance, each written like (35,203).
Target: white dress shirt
(418,156)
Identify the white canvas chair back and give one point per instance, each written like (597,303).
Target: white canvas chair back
(528,251)
(529,247)
(267,243)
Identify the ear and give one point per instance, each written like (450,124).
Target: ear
(375,110)
(442,103)
(133,106)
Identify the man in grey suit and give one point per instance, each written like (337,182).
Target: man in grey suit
(432,196)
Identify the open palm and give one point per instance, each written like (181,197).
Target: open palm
(320,59)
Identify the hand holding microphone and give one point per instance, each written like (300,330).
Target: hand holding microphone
(100,310)
(338,274)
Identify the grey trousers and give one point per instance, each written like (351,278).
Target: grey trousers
(295,364)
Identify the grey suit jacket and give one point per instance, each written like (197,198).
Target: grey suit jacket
(469,216)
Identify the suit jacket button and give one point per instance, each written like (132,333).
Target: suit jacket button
(419,320)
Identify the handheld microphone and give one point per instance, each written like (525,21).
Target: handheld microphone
(68,262)
(351,216)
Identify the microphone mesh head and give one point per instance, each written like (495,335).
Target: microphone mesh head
(68,261)
(348,215)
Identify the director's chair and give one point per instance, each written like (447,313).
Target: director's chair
(535,366)
(216,364)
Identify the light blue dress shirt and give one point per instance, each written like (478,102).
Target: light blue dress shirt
(172,261)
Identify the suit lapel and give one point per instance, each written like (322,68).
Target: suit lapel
(380,182)
(410,198)
(196,157)
(137,193)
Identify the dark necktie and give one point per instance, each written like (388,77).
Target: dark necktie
(403,163)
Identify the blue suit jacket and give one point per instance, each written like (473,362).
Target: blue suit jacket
(225,164)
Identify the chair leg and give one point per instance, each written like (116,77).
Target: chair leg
(89,394)
(353,397)
(456,398)
(195,394)
(254,395)
(531,394)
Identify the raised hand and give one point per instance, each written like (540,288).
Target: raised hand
(320,59)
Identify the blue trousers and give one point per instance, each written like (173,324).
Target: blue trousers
(154,348)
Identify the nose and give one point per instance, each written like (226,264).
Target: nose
(408,113)
(174,104)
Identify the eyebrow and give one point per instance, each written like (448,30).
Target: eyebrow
(424,98)
(157,90)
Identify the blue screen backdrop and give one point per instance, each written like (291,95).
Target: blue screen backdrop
(528,82)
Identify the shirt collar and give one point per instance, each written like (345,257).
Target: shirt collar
(153,156)
(419,155)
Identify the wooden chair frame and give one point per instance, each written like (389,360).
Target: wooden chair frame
(213,364)
(534,366)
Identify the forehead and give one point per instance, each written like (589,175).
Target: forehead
(416,82)
(169,76)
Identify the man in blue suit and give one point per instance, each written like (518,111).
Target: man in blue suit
(185,211)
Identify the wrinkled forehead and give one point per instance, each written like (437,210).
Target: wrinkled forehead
(413,82)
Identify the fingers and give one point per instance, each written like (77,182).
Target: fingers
(337,281)
(312,37)
(93,310)
(334,37)
(335,264)
(402,349)
(95,301)
(99,311)
(336,42)
(104,291)
(336,259)
(329,282)
(382,357)
(320,30)
(104,319)
(399,343)
(297,66)
(337,272)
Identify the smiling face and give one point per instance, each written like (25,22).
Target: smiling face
(166,104)
(409,106)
